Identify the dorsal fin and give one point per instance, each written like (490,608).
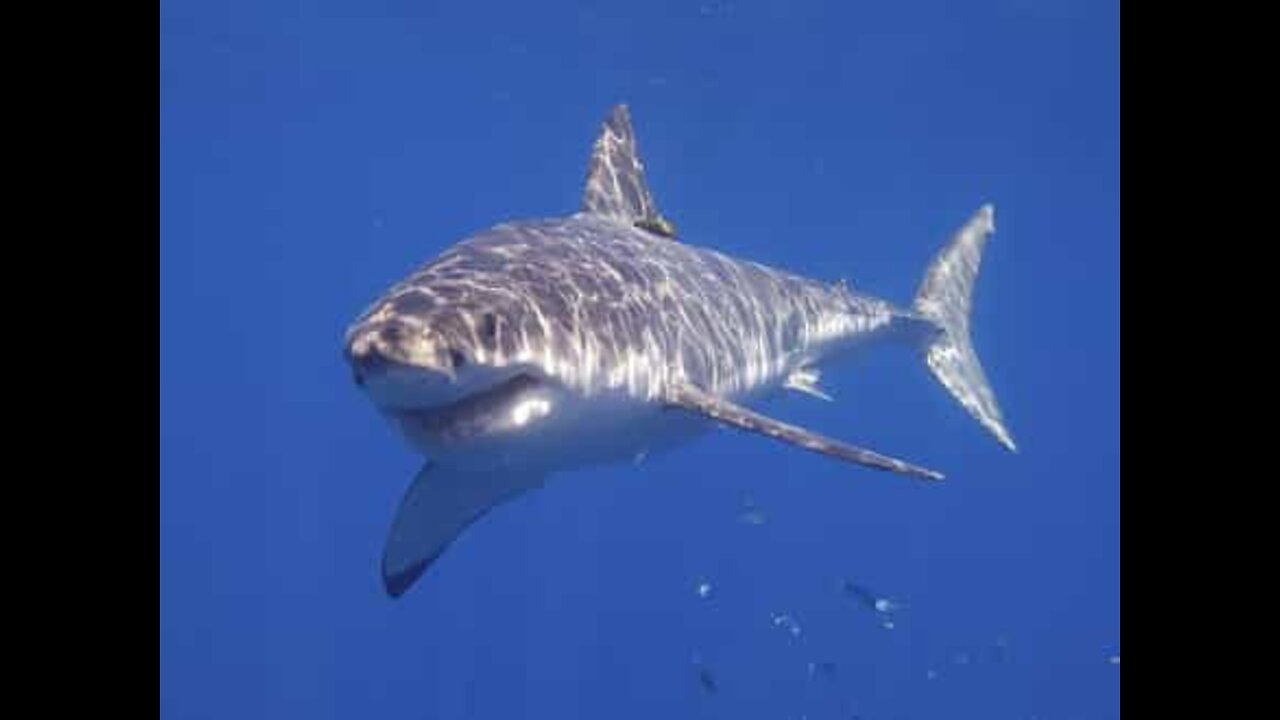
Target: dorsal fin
(615,178)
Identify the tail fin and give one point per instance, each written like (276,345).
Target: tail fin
(945,296)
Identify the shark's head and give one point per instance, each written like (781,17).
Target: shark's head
(436,357)
(424,346)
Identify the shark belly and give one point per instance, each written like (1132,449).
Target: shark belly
(552,428)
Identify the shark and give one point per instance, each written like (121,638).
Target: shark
(546,345)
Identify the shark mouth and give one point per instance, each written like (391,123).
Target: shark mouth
(508,406)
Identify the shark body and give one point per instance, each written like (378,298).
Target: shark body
(545,345)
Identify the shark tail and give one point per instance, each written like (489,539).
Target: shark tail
(945,298)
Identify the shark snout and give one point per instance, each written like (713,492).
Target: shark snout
(390,356)
(373,350)
(366,362)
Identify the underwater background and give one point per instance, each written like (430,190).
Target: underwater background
(313,153)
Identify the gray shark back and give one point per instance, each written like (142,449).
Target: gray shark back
(599,306)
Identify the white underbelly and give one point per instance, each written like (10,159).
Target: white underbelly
(568,431)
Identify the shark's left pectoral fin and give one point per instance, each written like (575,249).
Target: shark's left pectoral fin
(695,400)
(439,505)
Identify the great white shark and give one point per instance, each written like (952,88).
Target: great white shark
(544,345)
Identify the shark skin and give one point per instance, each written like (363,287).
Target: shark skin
(552,344)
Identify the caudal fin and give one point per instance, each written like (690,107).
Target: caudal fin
(945,297)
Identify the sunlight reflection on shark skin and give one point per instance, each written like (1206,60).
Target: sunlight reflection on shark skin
(543,345)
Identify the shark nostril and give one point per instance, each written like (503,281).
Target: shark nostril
(392,333)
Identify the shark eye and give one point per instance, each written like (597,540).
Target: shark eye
(489,328)
(457,359)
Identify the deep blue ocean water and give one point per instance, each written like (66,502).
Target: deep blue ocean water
(313,153)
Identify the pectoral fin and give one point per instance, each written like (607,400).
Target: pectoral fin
(687,397)
(439,505)
(805,380)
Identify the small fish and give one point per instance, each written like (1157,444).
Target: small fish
(706,679)
(703,589)
(751,514)
(881,605)
(788,623)
(861,594)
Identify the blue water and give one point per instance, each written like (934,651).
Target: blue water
(312,153)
